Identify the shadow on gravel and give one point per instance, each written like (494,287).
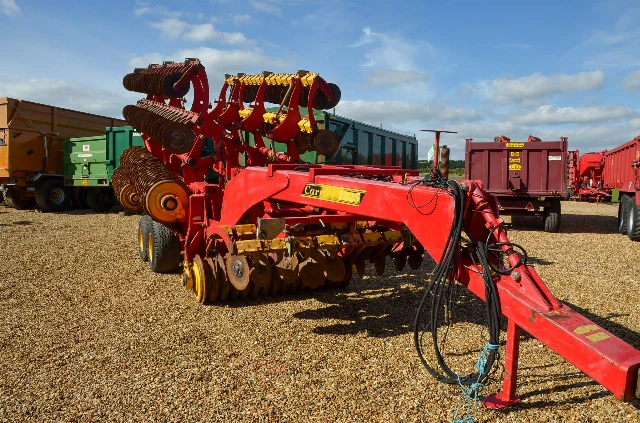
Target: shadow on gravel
(570,223)
(23,222)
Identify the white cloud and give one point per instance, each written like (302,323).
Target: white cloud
(267,7)
(392,52)
(176,28)
(68,95)
(207,31)
(391,77)
(538,85)
(171,27)
(398,112)
(632,81)
(218,62)
(549,114)
(9,7)
(143,8)
(241,19)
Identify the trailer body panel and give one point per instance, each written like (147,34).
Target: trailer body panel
(90,161)
(32,138)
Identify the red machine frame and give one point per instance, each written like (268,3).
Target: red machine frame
(273,186)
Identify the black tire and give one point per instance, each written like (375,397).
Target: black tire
(100,200)
(80,198)
(144,229)
(1,196)
(52,195)
(552,216)
(623,213)
(18,199)
(633,220)
(163,249)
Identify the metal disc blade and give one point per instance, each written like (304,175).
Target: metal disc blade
(238,271)
(335,270)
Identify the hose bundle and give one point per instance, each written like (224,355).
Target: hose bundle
(437,304)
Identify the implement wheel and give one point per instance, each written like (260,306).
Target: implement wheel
(203,284)
(18,199)
(552,217)
(144,229)
(163,249)
(80,198)
(633,221)
(100,200)
(623,213)
(52,195)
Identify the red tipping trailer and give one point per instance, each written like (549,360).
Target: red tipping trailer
(621,172)
(526,177)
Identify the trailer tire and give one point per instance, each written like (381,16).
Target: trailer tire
(623,213)
(80,198)
(1,196)
(633,220)
(52,195)
(100,200)
(144,229)
(15,198)
(552,216)
(163,249)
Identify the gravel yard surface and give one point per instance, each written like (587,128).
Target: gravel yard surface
(89,333)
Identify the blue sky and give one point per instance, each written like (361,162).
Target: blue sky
(482,68)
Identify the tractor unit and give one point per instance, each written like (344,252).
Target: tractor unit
(276,225)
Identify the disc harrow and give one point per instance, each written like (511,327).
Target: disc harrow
(253,222)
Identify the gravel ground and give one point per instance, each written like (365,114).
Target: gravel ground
(88,333)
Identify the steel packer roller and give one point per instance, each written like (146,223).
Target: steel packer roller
(273,226)
(125,192)
(163,194)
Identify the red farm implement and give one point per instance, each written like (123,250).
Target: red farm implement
(585,176)
(277,226)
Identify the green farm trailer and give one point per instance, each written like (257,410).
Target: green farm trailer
(89,163)
(360,143)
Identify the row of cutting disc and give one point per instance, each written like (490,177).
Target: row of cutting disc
(174,136)
(276,95)
(156,84)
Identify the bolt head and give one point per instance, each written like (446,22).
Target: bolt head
(516,276)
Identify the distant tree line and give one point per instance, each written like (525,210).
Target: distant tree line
(423,165)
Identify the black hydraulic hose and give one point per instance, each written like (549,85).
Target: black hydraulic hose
(442,291)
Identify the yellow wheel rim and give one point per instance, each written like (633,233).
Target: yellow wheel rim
(140,240)
(197,280)
(150,247)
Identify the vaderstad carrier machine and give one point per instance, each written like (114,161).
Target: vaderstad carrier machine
(245,220)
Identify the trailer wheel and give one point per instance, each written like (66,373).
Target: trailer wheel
(623,213)
(552,217)
(80,198)
(52,196)
(163,249)
(100,200)
(144,229)
(18,199)
(633,220)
